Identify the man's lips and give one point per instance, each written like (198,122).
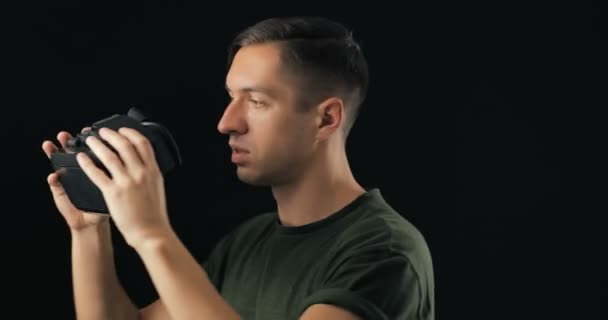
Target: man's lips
(239,154)
(238,149)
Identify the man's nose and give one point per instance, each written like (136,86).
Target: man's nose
(233,120)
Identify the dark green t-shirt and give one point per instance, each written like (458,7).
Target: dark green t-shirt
(365,258)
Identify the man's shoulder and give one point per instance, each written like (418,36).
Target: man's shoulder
(380,226)
(381,251)
(377,215)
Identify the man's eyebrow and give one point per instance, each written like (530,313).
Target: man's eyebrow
(264,90)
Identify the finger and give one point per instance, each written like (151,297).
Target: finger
(49,147)
(107,156)
(141,144)
(62,201)
(97,176)
(56,187)
(63,138)
(85,129)
(124,147)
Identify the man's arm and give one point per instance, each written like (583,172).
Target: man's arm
(158,311)
(134,193)
(183,286)
(154,311)
(327,311)
(98,293)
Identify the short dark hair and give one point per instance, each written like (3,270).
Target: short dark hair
(322,52)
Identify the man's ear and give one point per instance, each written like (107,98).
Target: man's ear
(330,115)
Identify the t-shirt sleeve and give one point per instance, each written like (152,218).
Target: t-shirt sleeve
(218,260)
(373,285)
(215,262)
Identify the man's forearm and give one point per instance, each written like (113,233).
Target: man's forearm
(98,293)
(181,282)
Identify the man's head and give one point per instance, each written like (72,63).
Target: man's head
(296,84)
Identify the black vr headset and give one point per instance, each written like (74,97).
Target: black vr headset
(83,193)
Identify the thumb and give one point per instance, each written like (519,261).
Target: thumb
(59,195)
(55,185)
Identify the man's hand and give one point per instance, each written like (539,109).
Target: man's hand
(76,219)
(134,193)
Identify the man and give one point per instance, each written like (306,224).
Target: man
(332,249)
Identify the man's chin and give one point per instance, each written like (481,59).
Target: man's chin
(248,177)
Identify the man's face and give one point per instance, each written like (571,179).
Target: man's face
(271,142)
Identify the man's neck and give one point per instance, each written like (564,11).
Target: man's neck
(323,190)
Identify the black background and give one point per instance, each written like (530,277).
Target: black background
(484,126)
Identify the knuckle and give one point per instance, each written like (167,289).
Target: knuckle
(139,177)
(113,191)
(153,171)
(122,144)
(113,159)
(158,176)
(123,185)
(142,141)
